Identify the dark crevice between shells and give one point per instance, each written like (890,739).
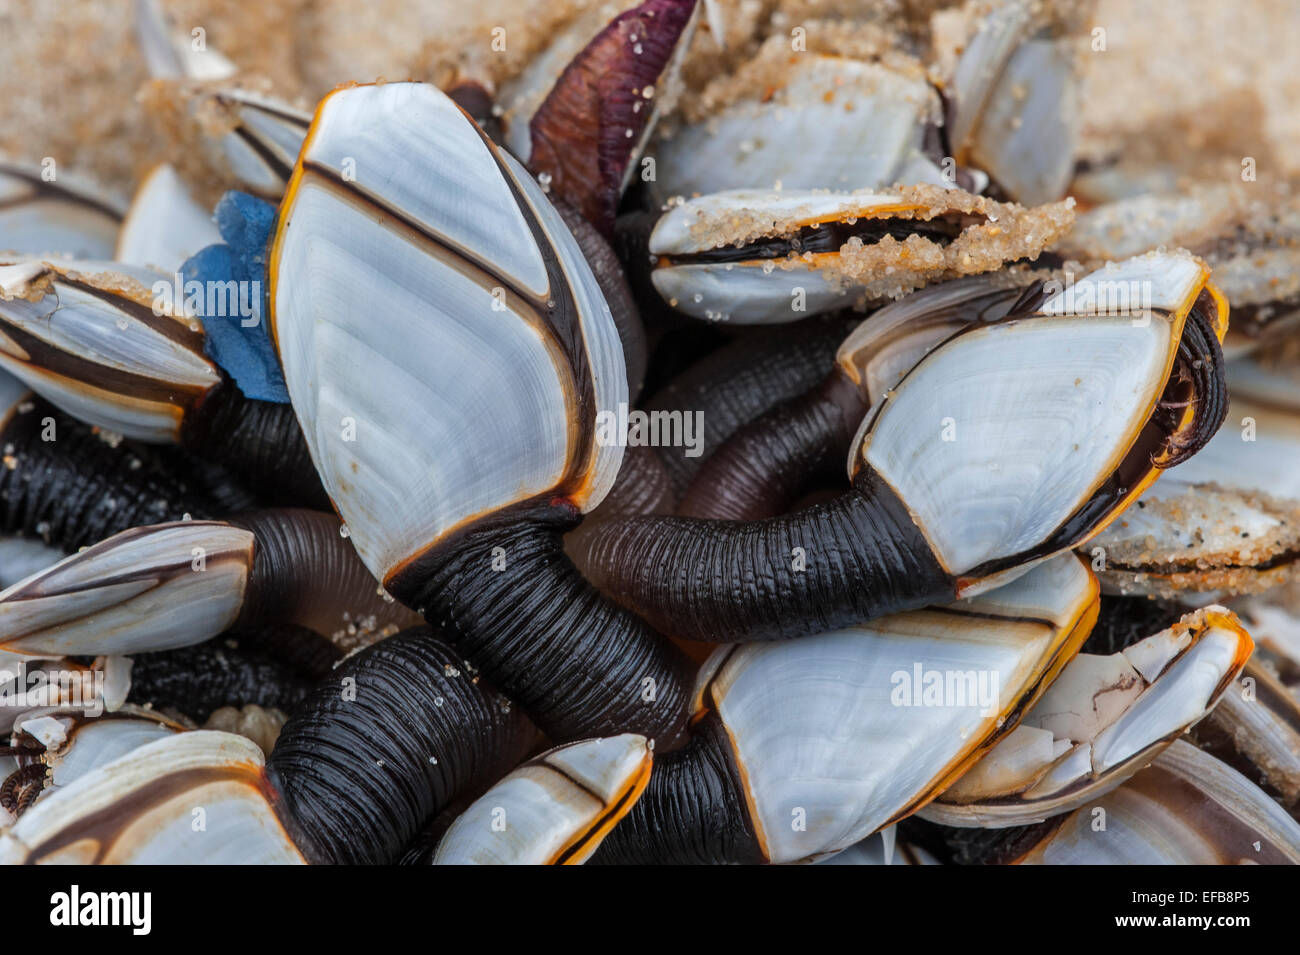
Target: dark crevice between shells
(764,467)
(374,752)
(228,494)
(828,237)
(303,651)
(77,489)
(1123,621)
(744,379)
(261,442)
(961,846)
(507,596)
(693,811)
(853,559)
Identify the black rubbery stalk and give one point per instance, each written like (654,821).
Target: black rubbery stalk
(577,663)
(763,468)
(738,581)
(692,812)
(744,379)
(199,679)
(78,489)
(388,740)
(259,440)
(304,572)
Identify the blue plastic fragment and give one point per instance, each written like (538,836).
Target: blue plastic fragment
(237,337)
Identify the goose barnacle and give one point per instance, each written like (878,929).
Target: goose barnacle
(440,277)
(376,750)
(1012,441)
(749,256)
(174,584)
(799,749)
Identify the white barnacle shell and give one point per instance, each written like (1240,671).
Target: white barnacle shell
(110,343)
(553,810)
(65,217)
(267,136)
(140,809)
(997,438)
(96,742)
(753,291)
(424,289)
(1103,719)
(882,349)
(747,144)
(1014,104)
(831,748)
(165,224)
(1186,808)
(146,588)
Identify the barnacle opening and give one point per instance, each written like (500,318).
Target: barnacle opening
(830,236)
(1195,399)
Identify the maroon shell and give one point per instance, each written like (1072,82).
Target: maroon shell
(580,134)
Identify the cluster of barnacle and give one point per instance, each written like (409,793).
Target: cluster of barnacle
(715,647)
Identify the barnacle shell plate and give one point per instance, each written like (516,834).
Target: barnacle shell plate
(65,217)
(752,291)
(165,224)
(1187,808)
(815,727)
(138,809)
(97,742)
(555,809)
(858,125)
(142,589)
(383,311)
(1038,434)
(95,346)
